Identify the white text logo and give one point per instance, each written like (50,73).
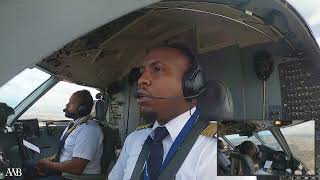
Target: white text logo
(13,172)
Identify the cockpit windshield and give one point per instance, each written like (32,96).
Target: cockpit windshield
(19,87)
(236,139)
(269,139)
(300,139)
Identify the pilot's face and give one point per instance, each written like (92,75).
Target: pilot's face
(163,70)
(220,145)
(71,110)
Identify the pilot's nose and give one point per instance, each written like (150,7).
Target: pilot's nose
(144,79)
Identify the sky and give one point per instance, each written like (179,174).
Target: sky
(21,85)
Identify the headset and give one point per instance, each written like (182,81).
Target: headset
(83,110)
(193,82)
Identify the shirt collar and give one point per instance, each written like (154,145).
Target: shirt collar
(81,118)
(175,125)
(76,121)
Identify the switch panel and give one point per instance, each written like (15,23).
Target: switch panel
(300,90)
(275,112)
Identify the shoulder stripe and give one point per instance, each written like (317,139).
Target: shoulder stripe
(210,130)
(145,126)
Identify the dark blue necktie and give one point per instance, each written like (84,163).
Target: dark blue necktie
(156,152)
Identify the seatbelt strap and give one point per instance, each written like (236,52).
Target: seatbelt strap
(169,172)
(143,156)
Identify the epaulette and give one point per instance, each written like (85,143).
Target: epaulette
(210,130)
(144,126)
(85,119)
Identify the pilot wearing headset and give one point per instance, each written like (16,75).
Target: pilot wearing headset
(250,149)
(168,87)
(81,144)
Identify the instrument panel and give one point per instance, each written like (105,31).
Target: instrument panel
(300,90)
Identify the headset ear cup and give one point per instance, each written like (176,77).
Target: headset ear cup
(199,83)
(193,82)
(82,110)
(186,84)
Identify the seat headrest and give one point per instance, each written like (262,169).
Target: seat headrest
(216,102)
(98,111)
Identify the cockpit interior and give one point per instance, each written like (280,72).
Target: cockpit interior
(277,150)
(262,53)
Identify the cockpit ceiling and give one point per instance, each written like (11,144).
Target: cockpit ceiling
(236,127)
(206,27)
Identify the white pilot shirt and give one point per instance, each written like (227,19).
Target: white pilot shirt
(223,159)
(201,162)
(86,142)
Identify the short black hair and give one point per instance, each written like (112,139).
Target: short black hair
(246,146)
(85,100)
(184,49)
(220,143)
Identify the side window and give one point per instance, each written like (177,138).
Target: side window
(20,86)
(50,106)
(300,139)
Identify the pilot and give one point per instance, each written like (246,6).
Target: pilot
(223,160)
(81,144)
(162,100)
(250,149)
